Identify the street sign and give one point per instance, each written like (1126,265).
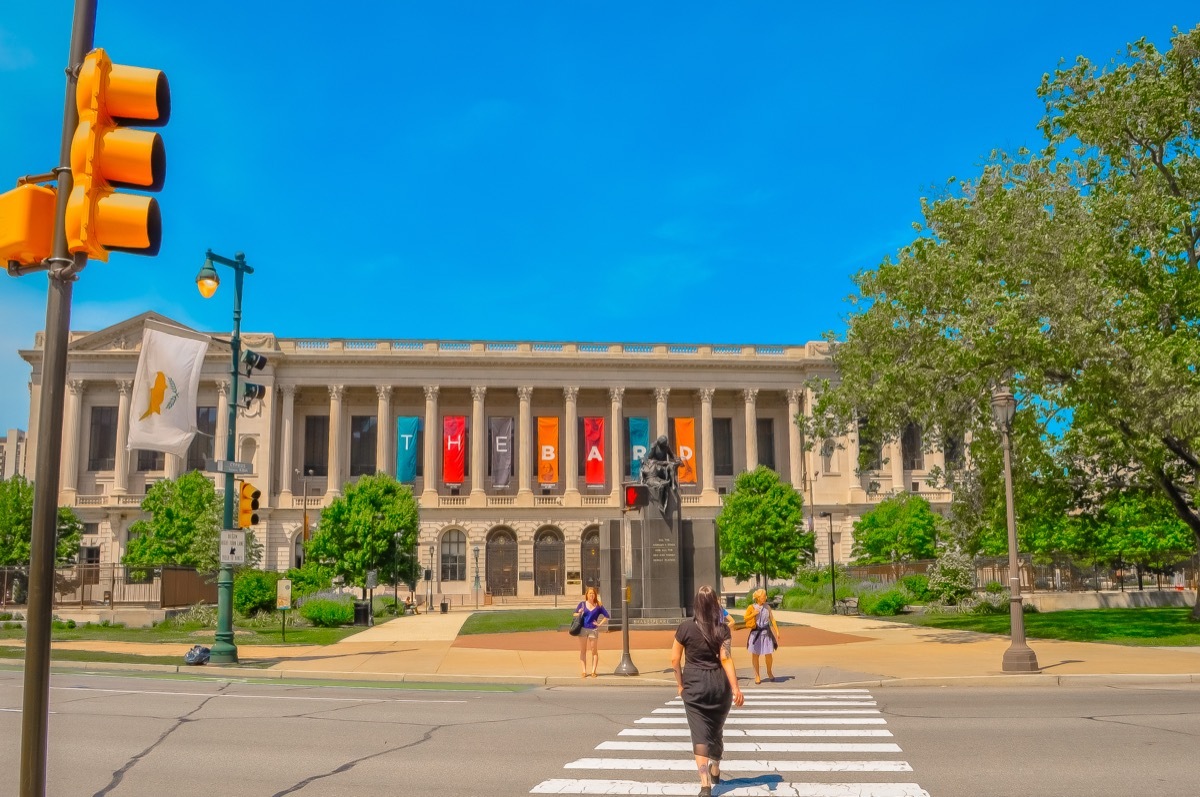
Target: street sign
(233,547)
(372,579)
(227,466)
(283,594)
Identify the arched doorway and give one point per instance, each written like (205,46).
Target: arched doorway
(549,562)
(502,562)
(589,557)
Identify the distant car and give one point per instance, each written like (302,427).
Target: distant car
(197,655)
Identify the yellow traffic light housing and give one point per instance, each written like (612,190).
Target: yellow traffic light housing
(105,155)
(248,505)
(27,223)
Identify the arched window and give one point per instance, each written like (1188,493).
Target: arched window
(454,556)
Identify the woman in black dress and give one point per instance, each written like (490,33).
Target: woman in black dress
(708,684)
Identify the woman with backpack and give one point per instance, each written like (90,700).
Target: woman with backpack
(764,634)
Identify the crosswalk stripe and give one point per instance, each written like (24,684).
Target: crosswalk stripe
(688,764)
(767,732)
(782,711)
(775,694)
(769,703)
(771,721)
(772,789)
(774,691)
(759,747)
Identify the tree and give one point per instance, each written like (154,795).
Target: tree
(1143,531)
(1070,276)
(760,528)
(184,525)
(900,529)
(16,526)
(357,531)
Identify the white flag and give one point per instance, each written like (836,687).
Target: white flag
(162,414)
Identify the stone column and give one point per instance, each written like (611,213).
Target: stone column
(897,465)
(616,395)
(749,395)
(333,486)
(384,462)
(570,398)
(708,465)
(173,466)
(429,473)
(525,443)
(121,465)
(286,425)
(221,435)
(660,412)
(69,469)
(795,450)
(478,440)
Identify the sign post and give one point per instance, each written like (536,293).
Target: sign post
(283,602)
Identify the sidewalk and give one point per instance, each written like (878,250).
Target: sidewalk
(819,650)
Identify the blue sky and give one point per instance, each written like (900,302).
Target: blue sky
(608,171)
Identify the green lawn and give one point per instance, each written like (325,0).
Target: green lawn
(504,622)
(92,655)
(195,635)
(1165,627)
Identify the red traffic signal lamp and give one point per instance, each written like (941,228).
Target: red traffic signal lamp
(636,496)
(106,155)
(248,505)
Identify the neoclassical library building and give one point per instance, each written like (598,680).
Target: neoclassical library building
(516,451)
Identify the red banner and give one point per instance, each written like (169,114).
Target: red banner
(593,450)
(454,444)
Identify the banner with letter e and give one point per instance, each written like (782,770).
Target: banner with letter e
(162,409)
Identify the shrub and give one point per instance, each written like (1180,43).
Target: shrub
(6,616)
(952,577)
(62,625)
(882,604)
(308,579)
(988,603)
(916,585)
(254,591)
(994,588)
(328,613)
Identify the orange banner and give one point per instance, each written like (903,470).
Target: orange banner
(547,457)
(685,449)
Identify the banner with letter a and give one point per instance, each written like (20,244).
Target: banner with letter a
(685,449)
(639,444)
(502,436)
(547,451)
(593,447)
(162,409)
(454,442)
(406,448)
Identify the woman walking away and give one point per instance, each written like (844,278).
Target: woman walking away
(708,684)
(764,633)
(594,616)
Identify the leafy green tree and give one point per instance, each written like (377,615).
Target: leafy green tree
(899,529)
(183,528)
(1144,531)
(16,526)
(760,528)
(357,532)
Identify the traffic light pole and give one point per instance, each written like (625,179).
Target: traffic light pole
(626,667)
(63,267)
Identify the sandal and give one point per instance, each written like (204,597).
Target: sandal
(714,773)
(757,680)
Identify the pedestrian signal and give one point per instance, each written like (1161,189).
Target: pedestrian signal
(636,496)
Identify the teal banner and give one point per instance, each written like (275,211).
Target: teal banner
(406,449)
(639,443)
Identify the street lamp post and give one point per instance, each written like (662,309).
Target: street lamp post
(626,665)
(475,550)
(396,570)
(429,582)
(832,568)
(224,651)
(1019,657)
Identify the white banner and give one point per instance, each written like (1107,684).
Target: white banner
(162,414)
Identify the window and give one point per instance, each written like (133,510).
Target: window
(766,442)
(911,447)
(454,556)
(580,447)
(954,451)
(363,431)
(89,564)
(91,528)
(316,445)
(102,447)
(723,446)
(421,448)
(151,460)
(202,444)
(869,450)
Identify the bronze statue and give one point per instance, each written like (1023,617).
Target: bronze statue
(660,469)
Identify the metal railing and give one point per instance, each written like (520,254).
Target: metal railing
(82,586)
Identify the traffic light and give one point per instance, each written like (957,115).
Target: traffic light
(253,361)
(27,224)
(105,155)
(636,496)
(248,505)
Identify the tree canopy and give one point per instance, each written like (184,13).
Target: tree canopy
(358,530)
(183,528)
(16,526)
(901,528)
(760,528)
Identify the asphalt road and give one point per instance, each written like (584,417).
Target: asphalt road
(155,736)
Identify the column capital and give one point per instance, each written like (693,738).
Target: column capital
(431,392)
(706,394)
(661,393)
(524,393)
(571,393)
(750,394)
(616,393)
(336,392)
(383,391)
(76,386)
(222,388)
(478,392)
(123,386)
(795,394)
(288,391)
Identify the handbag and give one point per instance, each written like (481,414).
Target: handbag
(576,625)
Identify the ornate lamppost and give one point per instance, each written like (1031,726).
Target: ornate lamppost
(832,568)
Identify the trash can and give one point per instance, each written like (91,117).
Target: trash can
(362,613)
(445,607)
(730,601)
